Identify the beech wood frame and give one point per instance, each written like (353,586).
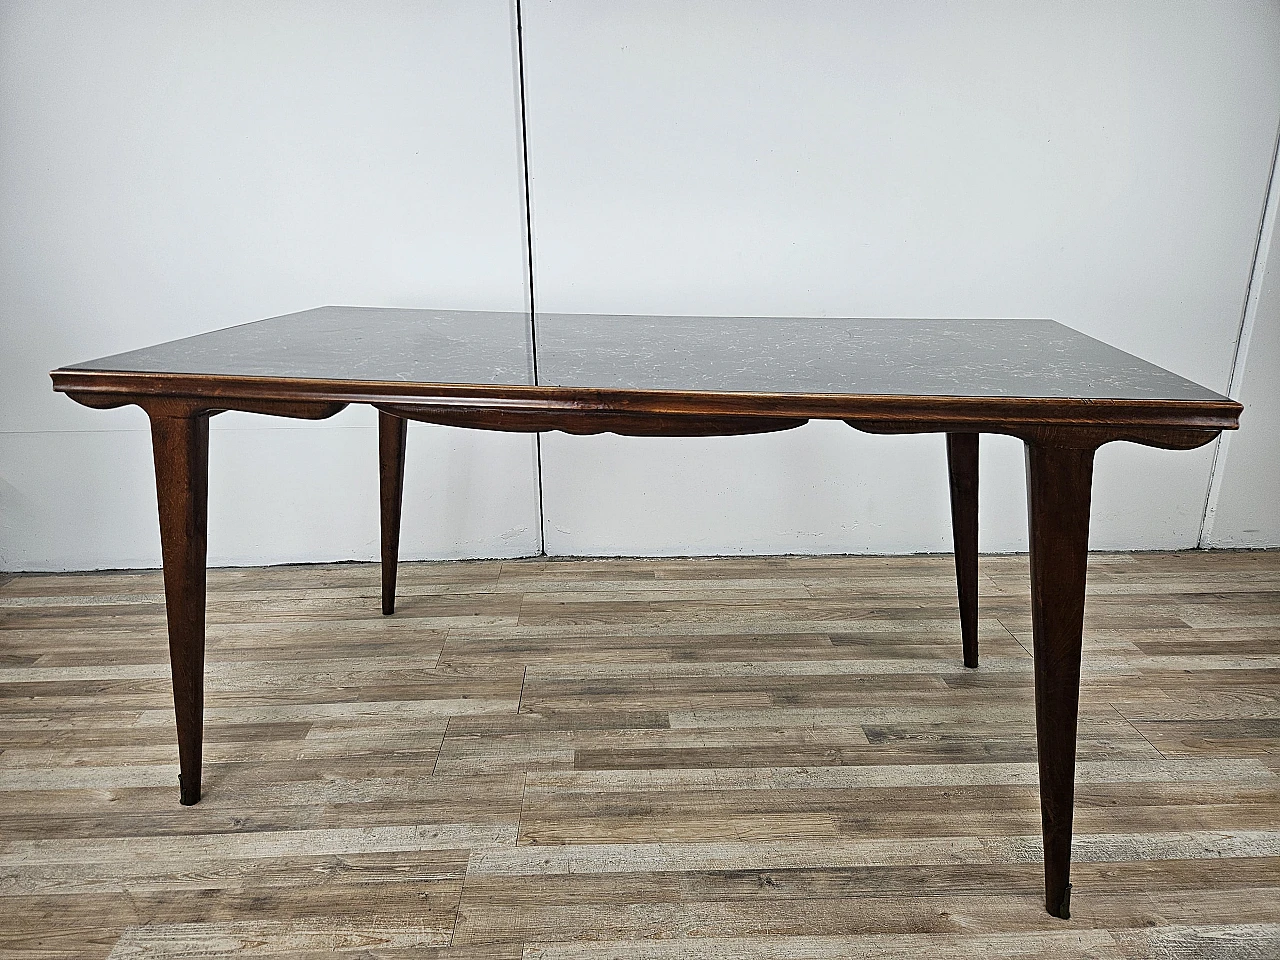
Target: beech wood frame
(1061,437)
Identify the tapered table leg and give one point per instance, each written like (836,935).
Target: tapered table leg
(962,464)
(392,434)
(1058,489)
(181,448)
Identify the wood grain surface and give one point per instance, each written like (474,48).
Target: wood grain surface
(558,759)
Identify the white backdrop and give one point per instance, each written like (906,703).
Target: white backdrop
(173,168)
(1104,165)
(167,169)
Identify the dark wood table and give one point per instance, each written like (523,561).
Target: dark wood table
(1062,393)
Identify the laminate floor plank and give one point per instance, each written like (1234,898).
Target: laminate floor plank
(777,757)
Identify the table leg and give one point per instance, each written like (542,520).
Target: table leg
(392,434)
(181,448)
(962,464)
(1058,489)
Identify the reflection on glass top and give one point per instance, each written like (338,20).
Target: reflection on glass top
(351,343)
(974,358)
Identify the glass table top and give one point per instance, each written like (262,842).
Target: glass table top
(760,355)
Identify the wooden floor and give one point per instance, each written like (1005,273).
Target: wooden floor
(758,758)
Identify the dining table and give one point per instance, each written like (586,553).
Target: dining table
(1060,392)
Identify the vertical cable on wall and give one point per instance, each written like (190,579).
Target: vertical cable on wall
(528,239)
(524,165)
(1248,315)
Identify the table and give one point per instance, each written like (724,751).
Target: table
(1062,393)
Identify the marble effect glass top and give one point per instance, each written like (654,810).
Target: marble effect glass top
(869,357)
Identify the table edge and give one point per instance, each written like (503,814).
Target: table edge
(225,392)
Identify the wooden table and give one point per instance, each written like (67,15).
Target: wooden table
(1062,393)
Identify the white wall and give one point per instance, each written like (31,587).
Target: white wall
(1104,165)
(171,168)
